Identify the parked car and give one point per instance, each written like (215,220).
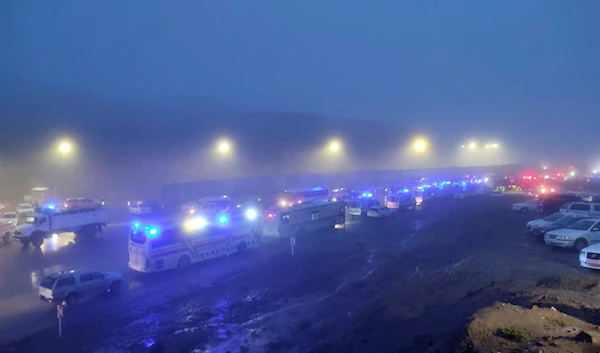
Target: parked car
(581,207)
(542,221)
(379,211)
(25,209)
(10,217)
(578,235)
(590,257)
(528,206)
(69,286)
(563,222)
(81,204)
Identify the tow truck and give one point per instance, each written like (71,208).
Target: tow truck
(47,224)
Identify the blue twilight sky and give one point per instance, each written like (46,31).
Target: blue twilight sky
(479,66)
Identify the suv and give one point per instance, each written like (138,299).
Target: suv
(80,204)
(69,286)
(581,207)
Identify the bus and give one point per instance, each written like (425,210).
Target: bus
(304,218)
(165,245)
(303,195)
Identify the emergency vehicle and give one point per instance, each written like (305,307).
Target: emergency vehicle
(160,246)
(303,218)
(298,196)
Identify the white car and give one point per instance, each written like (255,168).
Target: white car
(140,208)
(379,211)
(578,235)
(590,257)
(69,286)
(10,218)
(358,208)
(528,206)
(25,209)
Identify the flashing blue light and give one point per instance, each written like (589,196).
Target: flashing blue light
(223,219)
(318,188)
(464,183)
(136,225)
(152,232)
(51,207)
(405,190)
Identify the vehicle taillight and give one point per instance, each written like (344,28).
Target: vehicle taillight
(271,215)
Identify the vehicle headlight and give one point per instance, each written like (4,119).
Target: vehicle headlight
(583,253)
(251,214)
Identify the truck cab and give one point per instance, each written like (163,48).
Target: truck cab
(33,223)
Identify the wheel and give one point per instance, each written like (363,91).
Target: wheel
(37,239)
(183,262)
(25,241)
(524,210)
(580,244)
(72,299)
(115,287)
(242,246)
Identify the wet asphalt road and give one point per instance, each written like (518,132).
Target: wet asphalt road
(265,299)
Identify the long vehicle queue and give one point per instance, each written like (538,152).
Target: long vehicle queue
(212,227)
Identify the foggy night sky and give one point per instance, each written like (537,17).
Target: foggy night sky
(524,72)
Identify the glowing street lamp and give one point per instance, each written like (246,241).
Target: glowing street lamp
(223,146)
(472,145)
(334,146)
(419,145)
(65,147)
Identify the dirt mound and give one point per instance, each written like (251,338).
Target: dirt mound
(511,328)
(568,283)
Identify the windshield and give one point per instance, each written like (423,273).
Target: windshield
(553,217)
(565,221)
(138,236)
(25,205)
(9,215)
(48,282)
(581,225)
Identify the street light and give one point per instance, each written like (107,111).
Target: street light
(472,145)
(223,146)
(334,146)
(419,145)
(65,147)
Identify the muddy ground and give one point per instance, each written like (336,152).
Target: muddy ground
(408,284)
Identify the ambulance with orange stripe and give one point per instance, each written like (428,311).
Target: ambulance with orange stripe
(165,245)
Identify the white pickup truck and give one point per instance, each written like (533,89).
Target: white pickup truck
(41,226)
